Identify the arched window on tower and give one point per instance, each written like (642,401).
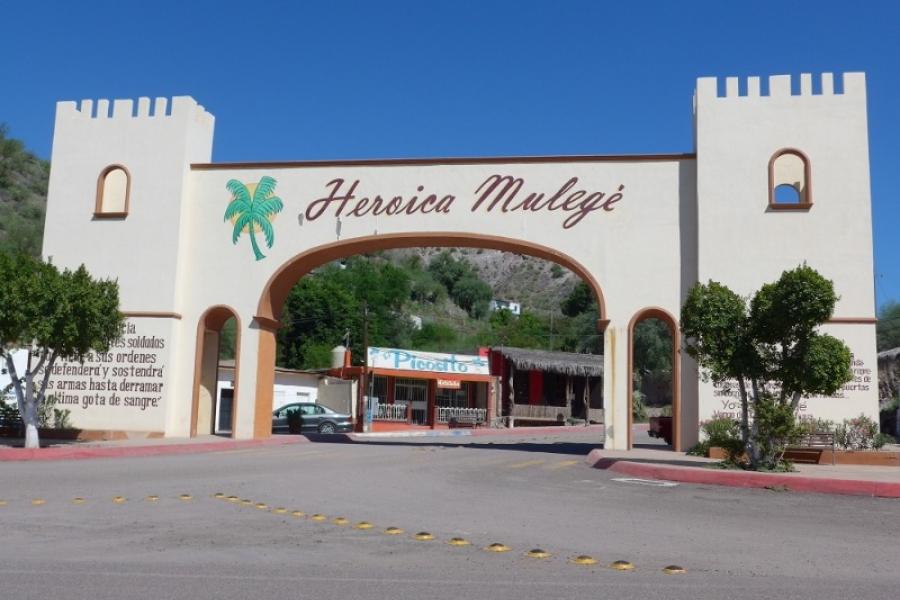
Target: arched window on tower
(113,191)
(789,181)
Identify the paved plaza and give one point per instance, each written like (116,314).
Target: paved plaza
(138,527)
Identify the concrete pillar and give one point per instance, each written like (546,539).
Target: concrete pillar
(615,386)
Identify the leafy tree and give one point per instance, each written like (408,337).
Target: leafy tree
(436,337)
(579,300)
(505,329)
(252,213)
(472,295)
(888,327)
(653,357)
(468,290)
(56,316)
(448,270)
(324,306)
(771,349)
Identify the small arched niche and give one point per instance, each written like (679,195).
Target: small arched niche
(789,180)
(113,192)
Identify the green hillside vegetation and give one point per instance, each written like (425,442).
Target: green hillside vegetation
(331,305)
(23,196)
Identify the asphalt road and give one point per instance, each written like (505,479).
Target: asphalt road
(529,493)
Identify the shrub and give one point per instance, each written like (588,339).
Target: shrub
(881,439)
(638,407)
(720,432)
(775,426)
(51,417)
(858,433)
(808,426)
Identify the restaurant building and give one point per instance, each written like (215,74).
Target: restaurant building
(412,389)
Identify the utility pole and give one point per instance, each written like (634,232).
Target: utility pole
(364,378)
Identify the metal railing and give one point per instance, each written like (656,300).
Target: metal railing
(445,413)
(391,412)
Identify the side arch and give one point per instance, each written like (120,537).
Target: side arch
(654,312)
(206,362)
(279,285)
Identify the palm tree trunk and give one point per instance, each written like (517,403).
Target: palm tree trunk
(256,252)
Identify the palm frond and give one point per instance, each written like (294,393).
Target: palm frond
(239,225)
(238,190)
(267,230)
(235,207)
(264,189)
(269,206)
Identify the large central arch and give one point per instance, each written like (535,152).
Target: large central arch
(279,285)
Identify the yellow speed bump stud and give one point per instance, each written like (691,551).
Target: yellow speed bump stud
(118,499)
(298,513)
(2,502)
(622,565)
(583,559)
(262,505)
(497,547)
(393,531)
(246,502)
(318,517)
(458,541)
(537,553)
(363,525)
(674,570)
(279,511)
(152,498)
(185,497)
(340,521)
(233,499)
(38,502)
(424,536)
(219,496)
(78,500)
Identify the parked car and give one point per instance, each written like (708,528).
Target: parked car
(312,418)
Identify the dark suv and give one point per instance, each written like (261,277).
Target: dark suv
(313,417)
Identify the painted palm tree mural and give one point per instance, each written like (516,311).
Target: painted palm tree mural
(251,209)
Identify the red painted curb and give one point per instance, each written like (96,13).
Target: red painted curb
(76,453)
(745,479)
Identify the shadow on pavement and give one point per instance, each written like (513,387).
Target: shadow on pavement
(567,448)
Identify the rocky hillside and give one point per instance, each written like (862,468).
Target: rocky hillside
(540,286)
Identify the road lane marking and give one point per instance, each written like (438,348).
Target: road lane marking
(526,464)
(649,482)
(563,464)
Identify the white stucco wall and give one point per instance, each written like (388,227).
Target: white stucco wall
(678,218)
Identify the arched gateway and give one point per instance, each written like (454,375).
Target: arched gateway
(197,242)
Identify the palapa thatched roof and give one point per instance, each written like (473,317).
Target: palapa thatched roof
(568,363)
(892,354)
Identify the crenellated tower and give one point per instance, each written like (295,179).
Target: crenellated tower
(118,179)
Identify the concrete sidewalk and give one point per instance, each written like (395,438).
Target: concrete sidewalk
(139,447)
(664,464)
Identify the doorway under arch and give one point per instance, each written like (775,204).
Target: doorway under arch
(278,287)
(670,322)
(205,404)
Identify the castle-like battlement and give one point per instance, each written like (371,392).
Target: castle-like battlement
(781,86)
(128,109)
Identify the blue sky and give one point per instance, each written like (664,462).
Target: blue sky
(317,80)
